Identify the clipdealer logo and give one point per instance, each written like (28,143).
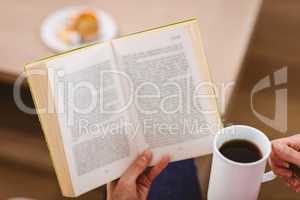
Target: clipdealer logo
(279,121)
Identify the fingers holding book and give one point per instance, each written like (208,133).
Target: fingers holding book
(136,181)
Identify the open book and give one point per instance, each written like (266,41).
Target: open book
(103,104)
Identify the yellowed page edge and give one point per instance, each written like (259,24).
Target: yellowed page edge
(197,43)
(39,87)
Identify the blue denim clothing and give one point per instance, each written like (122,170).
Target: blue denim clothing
(177,182)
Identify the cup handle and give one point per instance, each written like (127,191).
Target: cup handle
(268,176)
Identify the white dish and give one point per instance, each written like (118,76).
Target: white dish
(55,22)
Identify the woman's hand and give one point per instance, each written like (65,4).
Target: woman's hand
(285,152)
(135,183)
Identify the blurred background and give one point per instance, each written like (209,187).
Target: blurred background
(245,41)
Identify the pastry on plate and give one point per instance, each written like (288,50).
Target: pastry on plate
(80,28)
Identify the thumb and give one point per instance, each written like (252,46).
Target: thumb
(138,166)
(110,187)
(286,153)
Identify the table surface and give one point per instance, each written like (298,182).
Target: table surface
(226,28)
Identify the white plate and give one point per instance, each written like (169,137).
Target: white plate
(55,22)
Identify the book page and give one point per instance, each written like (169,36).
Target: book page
(173,98)
(88,99)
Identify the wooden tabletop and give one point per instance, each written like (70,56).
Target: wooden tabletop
(226,28)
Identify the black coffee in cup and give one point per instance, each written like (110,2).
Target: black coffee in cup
(240,150)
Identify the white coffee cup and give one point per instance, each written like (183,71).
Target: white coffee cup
(233,180)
